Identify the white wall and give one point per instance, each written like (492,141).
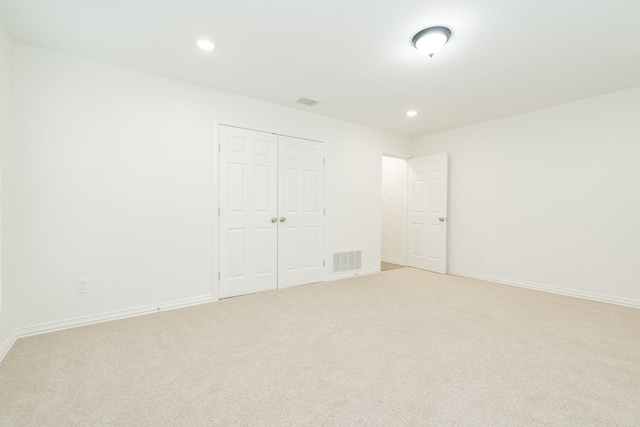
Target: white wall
(7,289)
(394,209)
(550,198)
(114,183)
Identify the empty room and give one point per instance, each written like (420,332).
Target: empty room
(325,213)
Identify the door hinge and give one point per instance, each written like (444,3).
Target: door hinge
(218,211)
(324,262)
(218,275)
(324,162)
(219,148)
(324,212)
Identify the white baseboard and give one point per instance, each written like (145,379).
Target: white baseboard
(548,288)
(339,276)
(7,344)
(114,315)
(393,260)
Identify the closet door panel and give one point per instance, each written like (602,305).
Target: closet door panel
(248,203)
(301,211)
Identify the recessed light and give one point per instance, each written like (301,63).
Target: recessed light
(205,45)
(411,113)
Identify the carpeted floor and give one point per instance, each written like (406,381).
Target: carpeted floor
(386,266)
(403,347)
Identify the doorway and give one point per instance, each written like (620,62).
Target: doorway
(393,212)
(271,211)
(414,209)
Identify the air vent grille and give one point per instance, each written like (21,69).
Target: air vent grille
(307,101)
(347,261)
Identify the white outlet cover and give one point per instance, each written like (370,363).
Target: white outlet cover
(83,286)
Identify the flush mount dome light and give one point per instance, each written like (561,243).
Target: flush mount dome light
(431,40)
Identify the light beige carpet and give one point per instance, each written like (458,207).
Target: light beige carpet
(402,347)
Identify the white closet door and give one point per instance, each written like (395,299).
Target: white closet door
(248,209)
(301,211)
(427,213)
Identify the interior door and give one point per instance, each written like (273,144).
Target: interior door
(427,213)
(301,211)
(248,210)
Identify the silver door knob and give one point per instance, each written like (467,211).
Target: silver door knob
(441,219)
(282,219)
(274,220)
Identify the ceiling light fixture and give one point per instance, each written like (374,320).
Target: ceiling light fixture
(411,113)
(205,44)
(431,40)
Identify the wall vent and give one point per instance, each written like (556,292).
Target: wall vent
(307,101)
(347,261)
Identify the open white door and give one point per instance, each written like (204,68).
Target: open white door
(427,213)
(301,211)
(248,209)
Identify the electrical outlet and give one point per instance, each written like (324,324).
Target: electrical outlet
(480,257)
(83,286)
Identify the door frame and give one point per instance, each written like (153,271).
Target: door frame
(216,192)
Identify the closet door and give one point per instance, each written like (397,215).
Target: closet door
(248,225)
(300,211)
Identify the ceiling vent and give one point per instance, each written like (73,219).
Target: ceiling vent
(307,101)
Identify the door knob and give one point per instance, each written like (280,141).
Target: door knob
(274,220)
(282,219)
(441,219)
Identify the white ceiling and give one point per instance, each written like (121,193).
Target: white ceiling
(355,56)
